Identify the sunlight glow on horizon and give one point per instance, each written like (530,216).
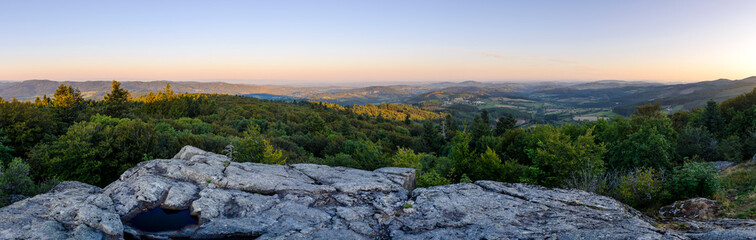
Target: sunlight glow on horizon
(333,41)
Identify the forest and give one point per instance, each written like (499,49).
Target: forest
(645,160)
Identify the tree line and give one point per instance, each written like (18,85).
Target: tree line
(646,159)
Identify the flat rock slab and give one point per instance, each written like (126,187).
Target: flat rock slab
(307,201)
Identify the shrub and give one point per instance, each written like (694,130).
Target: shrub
(601,183)
(558,156)
(465,179)
(640,187)
(694,179)
(254,148)
(730,149)
(511,171)
(15,181)
(697,141)
(407,158)
(431,178)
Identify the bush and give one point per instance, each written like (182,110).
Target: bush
(697,141)
(15,180)
(600,183)
(640,187)
(254,148)
(407,158)
(558,156)
(730,149)
(694,179)
(432,178)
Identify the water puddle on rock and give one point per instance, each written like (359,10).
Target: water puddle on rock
(160,220)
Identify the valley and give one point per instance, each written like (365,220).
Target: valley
(530,103)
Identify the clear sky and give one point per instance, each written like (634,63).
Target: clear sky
(355,40)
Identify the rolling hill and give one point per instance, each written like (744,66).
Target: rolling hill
(616,96)
(27,90)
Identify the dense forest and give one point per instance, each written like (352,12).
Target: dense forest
(645,160)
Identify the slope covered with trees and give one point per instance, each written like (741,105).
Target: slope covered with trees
(645,160)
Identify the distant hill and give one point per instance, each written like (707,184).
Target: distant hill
(618,96)
(686,96)
(462,92)
(604,84)
(27,90)
(370,95)
(271,97)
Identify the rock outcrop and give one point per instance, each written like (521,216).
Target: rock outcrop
(306,201)
(696,208)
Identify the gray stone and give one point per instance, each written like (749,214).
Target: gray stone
(307,201)
(696,208)
(720,228)
(493,210)
(69,210)
(722,165)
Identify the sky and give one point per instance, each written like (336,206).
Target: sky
(373,41)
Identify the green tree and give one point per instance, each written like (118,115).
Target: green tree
(407,158)
(315,124)
(98,151)
(117,100)
(368,154)
(644,148)
(694,179)
(740,103)
(640,187)
(254,148)
(488,166)
(480,128)
(557,157)
(646,139)
(24,125)
(68,102)
(461,155)
(649,110)
(14,180)
(5,151)
(712,118)
(450,127)
(730,149)
(697,141)
(505,124)
(431,137)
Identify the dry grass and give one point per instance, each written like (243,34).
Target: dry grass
(739,194)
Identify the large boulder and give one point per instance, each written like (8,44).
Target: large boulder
(696,208)
(722,165)
(70,210)
(307,201)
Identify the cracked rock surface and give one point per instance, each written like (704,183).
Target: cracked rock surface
(307,201)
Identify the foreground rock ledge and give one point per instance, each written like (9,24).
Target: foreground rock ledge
(306,201)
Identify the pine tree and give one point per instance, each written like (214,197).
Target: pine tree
(450,127)
(116,101)
(68,102)
(504,124)
(431,136)
(712,118)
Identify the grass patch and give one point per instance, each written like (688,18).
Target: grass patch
(739,195)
